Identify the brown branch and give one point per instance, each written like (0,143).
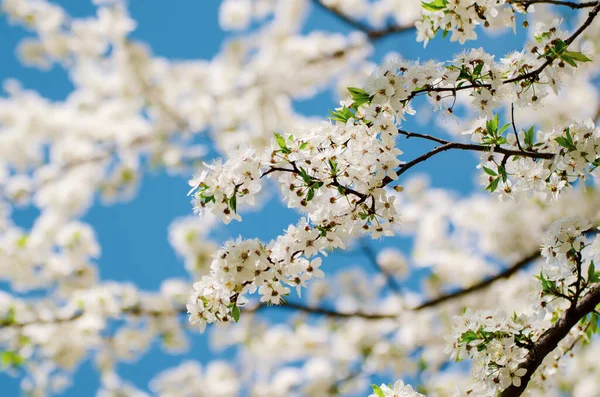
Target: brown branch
(294,170)
(372,34)
(531,76)
(483,283)
(132,311)
(322,311)
(138,311)
(479,148)
(449,145)
(552,337)
(508,272)
(512,120)
(475,148)
(570,4)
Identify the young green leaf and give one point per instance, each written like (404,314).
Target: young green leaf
(377,390)
(493,185)
(529,138)
(489,171)
(233,203)
(564,142)
(435,5)
(235,313)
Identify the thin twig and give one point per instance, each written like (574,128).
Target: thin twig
(531,76)
(512,119)
(570,4)
(483,283)
(323,311)
(372,34)
(449,145)
(389,278)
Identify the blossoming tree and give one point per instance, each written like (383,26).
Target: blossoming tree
(508,294)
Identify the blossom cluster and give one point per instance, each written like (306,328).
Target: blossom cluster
(131,110)
(335,173)
(247,266)
(570,257)
(496,344)
(460,18)
(573,155)
(398,389)
(500,344)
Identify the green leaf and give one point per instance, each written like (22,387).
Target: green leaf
(489,171)
(280,141)
(492,125)
(445,33)
(10,316)
(529,138)
(564,142)
(282,144)
(591,270)
(21,242)
(468,336)
(593,275)
(305,177)
(569,60)
(500,140)
(10,359)
(357,91)
(235,313)
(594,323)
(311,194)
(377,390)
(568,133)
(304,145)
(344,114)
(477,70)
(560,46)
(127,175)
(332,166)
(578,56)
(233,202)
(504,127)
(539,38)
(493,185)
(502,172)
(359,97)
(548,286)
(435,5)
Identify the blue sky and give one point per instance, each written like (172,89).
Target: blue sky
(133,235)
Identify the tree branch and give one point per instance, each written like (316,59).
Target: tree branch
(479,148)
(483,283)
(571,4)
(372,34)
(552,337)
(449,145)
(322,311)
(531,76)
(512,120)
